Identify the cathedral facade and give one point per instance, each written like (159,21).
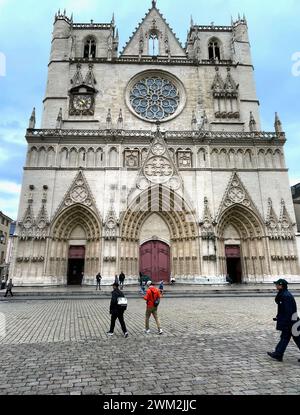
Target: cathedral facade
(152,160)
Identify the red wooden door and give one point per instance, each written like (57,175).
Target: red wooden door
(155,261)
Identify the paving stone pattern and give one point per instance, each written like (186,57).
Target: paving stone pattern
(209,346)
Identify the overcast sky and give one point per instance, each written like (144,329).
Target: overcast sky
(25,41)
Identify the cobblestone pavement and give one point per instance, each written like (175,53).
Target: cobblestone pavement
(209,346)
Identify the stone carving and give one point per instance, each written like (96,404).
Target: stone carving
(207,229)
(286,223)
(111,223)
(158,170)
(28,223)
(158,166)
(184,159)
(236,194)
(78,193)
(131,158)
(158,149)
(225,95)
(272,221)
(42,221)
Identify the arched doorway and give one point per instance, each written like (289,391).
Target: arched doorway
(241,244)
(74,245)
(161,212)
(155,260)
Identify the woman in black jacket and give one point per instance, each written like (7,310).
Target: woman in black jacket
(116,311)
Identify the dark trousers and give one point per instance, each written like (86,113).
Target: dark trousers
(8,291)
(120,316)
(285,338)
(98,285)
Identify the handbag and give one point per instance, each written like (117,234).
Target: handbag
(122,302)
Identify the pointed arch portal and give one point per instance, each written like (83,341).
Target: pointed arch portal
(74,249)
(174,243)
(242,244)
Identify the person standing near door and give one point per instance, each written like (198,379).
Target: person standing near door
(151,296)
(116,311)
(122,279)
(98,279)
(286,318)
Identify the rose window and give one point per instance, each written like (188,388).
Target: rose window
(154,98)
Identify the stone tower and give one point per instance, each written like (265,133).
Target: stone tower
(153,160)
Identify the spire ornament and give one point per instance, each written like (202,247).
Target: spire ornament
(278,125)
(32,120)
(120,121)
(108,120)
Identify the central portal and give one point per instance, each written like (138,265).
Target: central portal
(76,265)
(155,260)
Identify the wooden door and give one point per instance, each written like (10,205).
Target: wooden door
(155,261)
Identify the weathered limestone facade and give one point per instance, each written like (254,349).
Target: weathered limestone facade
(158,146)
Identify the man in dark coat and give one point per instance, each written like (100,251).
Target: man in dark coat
(286,319)
(116,311)
(9,288)
(122,279)
(98,279)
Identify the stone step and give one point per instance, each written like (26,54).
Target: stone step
(133,291)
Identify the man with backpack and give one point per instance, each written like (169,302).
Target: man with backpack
(152,298)
(117,308)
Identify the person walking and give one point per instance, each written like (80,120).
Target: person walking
(9,288)
(116,279)
(116,311)
(161,288)
(286,319)
(143,288)
(151,297)
(98,279)
(122,279)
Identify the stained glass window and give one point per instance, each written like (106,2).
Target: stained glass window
(154,98)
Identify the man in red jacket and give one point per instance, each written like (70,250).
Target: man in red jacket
(151,296)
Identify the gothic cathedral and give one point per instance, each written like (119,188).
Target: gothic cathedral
(152,160)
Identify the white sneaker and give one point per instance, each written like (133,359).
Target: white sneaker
(126,334)
(147,331)
(109,333)
(160,331)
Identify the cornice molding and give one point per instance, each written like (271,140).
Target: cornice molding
(201,136)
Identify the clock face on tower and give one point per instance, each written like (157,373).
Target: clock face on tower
(82,103)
